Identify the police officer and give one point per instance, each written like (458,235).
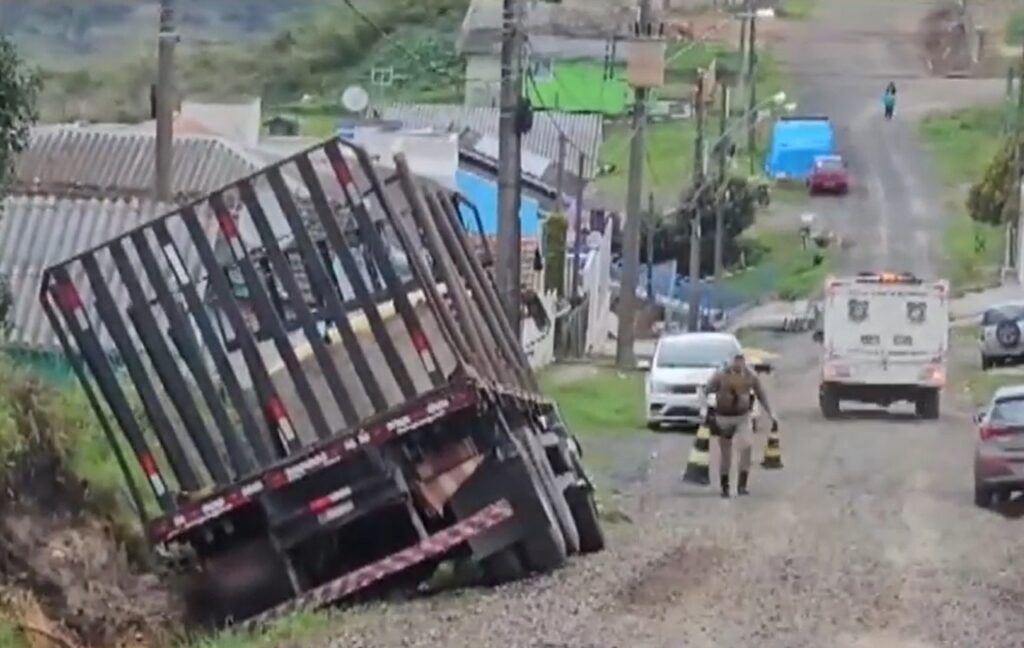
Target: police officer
(735,387)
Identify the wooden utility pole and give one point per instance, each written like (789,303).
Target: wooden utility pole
(693,310)
(507,263)
(752,94)
(625,357)
(577,227)
(741,90)
(652,228)
(1018,174)
(167,39)
(722,151)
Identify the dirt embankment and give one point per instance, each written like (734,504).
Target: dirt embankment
(946,35)
(65,578)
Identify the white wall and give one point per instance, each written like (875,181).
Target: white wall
(239,122)
(431,155)
(538,344)
(483,80)
(596,280)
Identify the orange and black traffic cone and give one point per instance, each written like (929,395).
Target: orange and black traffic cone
(772,451)
(698,466)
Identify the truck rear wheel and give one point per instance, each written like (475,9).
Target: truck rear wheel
(502,567)
(828,400)
(544,550)
(927,404)
(588,522)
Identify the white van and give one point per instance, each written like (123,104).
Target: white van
(886,338)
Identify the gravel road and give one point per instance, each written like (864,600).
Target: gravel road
(868,536)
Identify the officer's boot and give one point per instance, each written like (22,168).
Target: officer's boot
(741,487)
(725,485)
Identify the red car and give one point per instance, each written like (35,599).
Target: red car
(828,174)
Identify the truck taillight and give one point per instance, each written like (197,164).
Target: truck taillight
(934,375)
(836,370)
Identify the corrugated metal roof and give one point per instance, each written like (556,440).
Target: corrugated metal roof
(100,162)
(584,131)
(594,19)
(36,232)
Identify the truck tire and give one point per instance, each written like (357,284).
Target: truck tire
(828,401)
(986,364)
(588,522)
(502,567)
(544,550)
(982,496)
(545,475)
(927,404)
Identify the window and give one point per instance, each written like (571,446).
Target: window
(701,352)
(1003,313)
(542,69)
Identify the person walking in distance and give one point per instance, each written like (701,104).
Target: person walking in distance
(735,387)
(889,100)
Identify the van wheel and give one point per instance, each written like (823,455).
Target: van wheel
(828,401)
(982,496)
(584,513)
(986,364)
(927,404)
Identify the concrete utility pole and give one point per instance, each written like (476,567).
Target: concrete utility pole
(752,94)
(1018,173)
(723,119)
(507,263)
(577,227)
(693,303)
(625,358)
(167,39)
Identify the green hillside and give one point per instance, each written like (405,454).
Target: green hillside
(98,56)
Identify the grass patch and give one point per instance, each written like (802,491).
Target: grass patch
(669,158)
(299,629)
(780,267)
(796,9)
(1015,28)
(980,385)
(961,144)
(607,402)
(11,635)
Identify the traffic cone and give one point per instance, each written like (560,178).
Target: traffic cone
(772,451)
(698,469)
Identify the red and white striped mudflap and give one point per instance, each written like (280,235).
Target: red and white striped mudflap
(435,545)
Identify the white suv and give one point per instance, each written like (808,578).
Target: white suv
(1002,330)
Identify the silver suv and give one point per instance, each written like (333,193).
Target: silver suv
(1002,335)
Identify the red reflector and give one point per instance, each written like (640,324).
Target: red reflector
(989,431)
(275,409)
(227,224)
(67,297)
(419,341)
(320,504)
(276,479)
(148,464)
(342,172)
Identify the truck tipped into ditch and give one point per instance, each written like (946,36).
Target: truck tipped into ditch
(320,389)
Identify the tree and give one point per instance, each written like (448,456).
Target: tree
(19,89)
(740,203)
(992,200)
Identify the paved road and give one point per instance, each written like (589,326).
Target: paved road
(867,538)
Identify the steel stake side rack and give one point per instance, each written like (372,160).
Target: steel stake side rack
(320,389)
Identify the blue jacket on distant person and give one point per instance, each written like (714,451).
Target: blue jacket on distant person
(888,99)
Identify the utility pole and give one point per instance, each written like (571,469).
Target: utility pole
(625,357)
(743,18)
(652,226)
(577,228)
(1018,172)
(723,118)
(167,39)
(693,303)
(507,263)
(752,94)
(560,172)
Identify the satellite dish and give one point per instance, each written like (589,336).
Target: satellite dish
(355,99)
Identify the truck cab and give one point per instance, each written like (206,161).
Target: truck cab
(885,339)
